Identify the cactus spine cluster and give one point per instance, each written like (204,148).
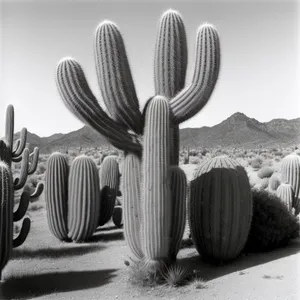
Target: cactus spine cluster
(149,202)
(10,153)
(72,197)
(220,209)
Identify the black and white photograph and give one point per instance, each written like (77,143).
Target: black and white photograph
(150,149)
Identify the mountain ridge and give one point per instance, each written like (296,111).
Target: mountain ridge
(238,130)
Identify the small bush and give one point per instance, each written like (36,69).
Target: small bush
(256,162)
(272,224)
(265,172)
(175,275)
(194,160)
(264,183)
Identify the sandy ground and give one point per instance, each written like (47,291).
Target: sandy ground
(45,268)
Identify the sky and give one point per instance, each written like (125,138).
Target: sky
(260,49)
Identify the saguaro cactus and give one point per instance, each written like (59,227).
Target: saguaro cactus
(72,198)
(7,216)
(220,209)
(10,153)
(148,207)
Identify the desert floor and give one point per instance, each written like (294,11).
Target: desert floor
(45,268)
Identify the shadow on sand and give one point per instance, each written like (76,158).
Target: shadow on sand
(108,228)
(107,237)
(207,271)
(30,286)
(66,250)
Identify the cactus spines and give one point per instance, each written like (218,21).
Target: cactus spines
(56,195)
(6,214)
(119,95)
(132,203)
(83,205)
(78,97)
(156,200)
(178,183)
(286,193)
(109,176)
(290,172)
(220,209)
(194,97)
(117,216)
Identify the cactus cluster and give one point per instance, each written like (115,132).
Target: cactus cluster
(154,189)
(10,153)
(72,197)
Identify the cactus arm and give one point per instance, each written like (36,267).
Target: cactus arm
(35,160)
(170,60)
(132,203)
(194,97)
(114,77)
(6,213)
(17,145)
(20,181)
(17,159)
(170,65)
(23,205)
(20,239)
(38,191)
(21,144)
(9,128)
(78,97)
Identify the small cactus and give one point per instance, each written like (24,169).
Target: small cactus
(286,194)
(117,216)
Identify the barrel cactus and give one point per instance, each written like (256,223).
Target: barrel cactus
(72,197)
(109,177)
(150,140)
(290,173)
(286,194)
(220,209)
(274,182)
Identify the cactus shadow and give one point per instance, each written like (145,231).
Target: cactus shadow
(55,252)
(108,228)
(209,271)
(31,286)
(107,236)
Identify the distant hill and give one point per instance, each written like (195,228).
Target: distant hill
(236,131)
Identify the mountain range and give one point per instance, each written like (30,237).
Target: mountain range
(236,131)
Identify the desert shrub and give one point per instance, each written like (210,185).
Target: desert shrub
(264,183)
(175,275)
(278,153)
(265,172)
(256,162)
(272,224)
(194,160)
(40,169)
(274,182)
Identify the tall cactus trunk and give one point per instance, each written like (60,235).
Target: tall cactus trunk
(156,186)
